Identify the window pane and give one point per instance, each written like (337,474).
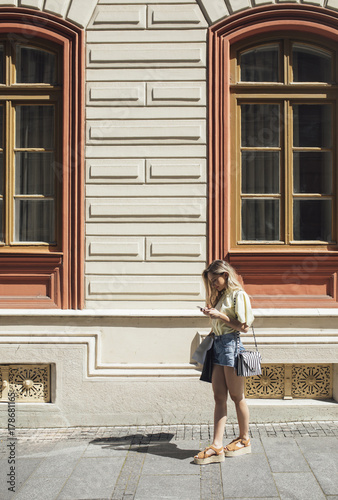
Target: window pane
(1,174)
(260,220)
(35,65)
(1,127)
(311,64)
(312,220)
(1,221)
(260,64)
(312,172)
(312,125)
(34,221)
(260,125)
(34,127)
(34,173)
(2,64)
(260,172)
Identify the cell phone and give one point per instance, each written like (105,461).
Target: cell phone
(200,308)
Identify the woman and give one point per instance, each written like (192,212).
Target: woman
(229,308)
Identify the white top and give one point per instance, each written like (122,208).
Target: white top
(242,312)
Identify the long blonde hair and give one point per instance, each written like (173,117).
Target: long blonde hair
(233,281)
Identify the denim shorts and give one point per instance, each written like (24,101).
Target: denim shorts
(225,349)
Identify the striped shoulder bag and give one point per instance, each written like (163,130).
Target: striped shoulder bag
(248,362)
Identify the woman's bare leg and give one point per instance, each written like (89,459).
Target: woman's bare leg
(220,389)
(235,385)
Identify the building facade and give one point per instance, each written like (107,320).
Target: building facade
(141,139)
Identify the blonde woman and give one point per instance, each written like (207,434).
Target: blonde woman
(229,308)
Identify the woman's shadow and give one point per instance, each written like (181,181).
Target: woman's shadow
(155,444)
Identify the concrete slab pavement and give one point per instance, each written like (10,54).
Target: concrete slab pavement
(289,461)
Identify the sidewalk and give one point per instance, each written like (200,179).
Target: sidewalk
(288,461)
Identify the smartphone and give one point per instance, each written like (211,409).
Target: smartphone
(200,308)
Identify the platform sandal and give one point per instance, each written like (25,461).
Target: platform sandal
(237,447)
(202,457)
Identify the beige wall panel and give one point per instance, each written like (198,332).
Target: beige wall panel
(214,9)
(116,94)
(175,249)
(176,94)
(165,55)
(113,171)
(145,74)
(81,11)
(119,17)
(6,3)
(145,190)
(58,7)
(109,248)
(149,228)
(237,5)
(126,267)
(145,131)
(175,16)
(169,209)
(332,4)
(143,288)
(111,2)
(146,151)
(146,36)
(145,113)
(176,170)
(32,4)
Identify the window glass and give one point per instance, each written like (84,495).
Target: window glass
(312,219)
(260,220)
(312,172)
(260,64)
(34,173)
(260,125)
(260,172)
(1,220)
(34,220)
(2,64)
(312,125)
(311,64)
(35,65)
(34,127)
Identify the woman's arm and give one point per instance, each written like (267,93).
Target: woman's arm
(233,323)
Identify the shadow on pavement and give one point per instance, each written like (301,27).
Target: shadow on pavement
(155,444)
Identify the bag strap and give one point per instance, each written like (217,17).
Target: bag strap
(253,331)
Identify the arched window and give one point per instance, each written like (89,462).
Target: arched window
(273,165)
(41,161)
(284,100)
(31,142)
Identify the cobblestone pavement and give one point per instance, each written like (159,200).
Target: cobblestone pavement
(293,460)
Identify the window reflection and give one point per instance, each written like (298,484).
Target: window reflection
(312,220)
(34,127)
(311,64)
(312,125)
(35,65)
(260,64)
(260,220)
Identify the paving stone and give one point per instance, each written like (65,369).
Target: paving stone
(177,463)
(284,455)
(184,487)
(242,476)
(50,487)
(322,456)
(298,486)
(93,478)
